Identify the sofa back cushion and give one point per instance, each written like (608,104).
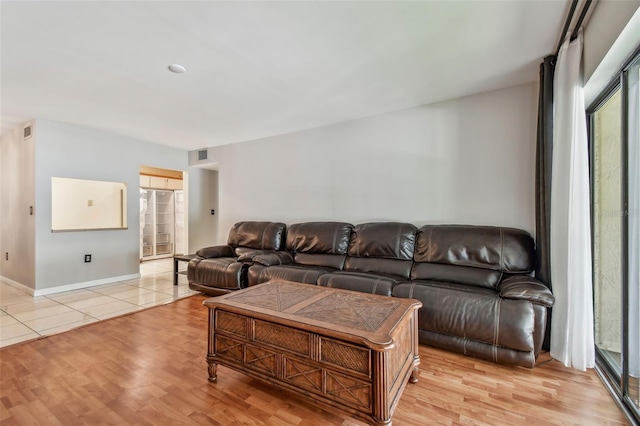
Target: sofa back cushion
(382,248)
(473,255)
(257,236)
(319,243)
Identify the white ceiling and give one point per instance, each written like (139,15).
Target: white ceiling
(261,68)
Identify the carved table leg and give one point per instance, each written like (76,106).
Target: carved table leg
(213,372)
(212,366)
(414,375)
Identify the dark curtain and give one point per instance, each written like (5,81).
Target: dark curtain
(544,151)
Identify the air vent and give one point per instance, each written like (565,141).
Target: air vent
(27,132)
(202,155)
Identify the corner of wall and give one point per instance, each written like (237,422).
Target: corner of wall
(17,198)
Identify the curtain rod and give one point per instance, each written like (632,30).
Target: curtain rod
(567,23)
(585,8)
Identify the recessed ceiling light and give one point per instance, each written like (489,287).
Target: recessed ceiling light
(179,69)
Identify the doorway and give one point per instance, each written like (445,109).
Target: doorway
(163,213)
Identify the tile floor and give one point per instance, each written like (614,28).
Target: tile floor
(24,317)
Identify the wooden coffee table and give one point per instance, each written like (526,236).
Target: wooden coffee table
(343,349)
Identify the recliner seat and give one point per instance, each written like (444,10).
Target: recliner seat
(312,249)
(220,269)
(478,298)
(380,255)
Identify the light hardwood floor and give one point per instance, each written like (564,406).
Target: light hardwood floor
(148,368)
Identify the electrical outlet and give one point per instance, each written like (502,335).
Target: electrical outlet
(87,258)
(6,256)
(213,212)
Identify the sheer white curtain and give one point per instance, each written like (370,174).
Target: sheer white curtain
(570,228)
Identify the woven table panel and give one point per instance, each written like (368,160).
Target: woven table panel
(278,297)
(351,310)
(347,356)
(231,323)
(282,337)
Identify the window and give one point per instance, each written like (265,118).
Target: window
(615,184)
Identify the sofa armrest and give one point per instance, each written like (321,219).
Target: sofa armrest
(248,256)
(275,258)
(524,287)
(216,251)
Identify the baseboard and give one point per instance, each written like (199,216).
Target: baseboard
(85,284)
(16,284)
(68,287)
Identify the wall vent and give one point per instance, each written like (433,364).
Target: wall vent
(27,132)
(202,154)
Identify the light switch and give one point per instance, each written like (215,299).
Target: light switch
(90,203)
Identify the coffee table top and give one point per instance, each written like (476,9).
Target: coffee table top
(369,318)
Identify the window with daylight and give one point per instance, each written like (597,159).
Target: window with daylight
(615,188)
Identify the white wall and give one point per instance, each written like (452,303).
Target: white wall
(611,36)
(203,227)
(605,24)
(17,193)
(469,160)
(65,150)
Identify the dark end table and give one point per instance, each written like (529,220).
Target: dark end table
(180,258)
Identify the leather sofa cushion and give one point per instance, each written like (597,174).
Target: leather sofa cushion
(479,277)
(273,258)
(473,313)
(399,268)
(364,283)
(476,349)
(502,250)
(257,235)
(303,274)
(382,248)
(219,272)
(389,240)
(319,238)
(335,261)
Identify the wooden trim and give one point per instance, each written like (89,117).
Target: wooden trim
(158,172)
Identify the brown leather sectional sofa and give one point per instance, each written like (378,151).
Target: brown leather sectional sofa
(473,281)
